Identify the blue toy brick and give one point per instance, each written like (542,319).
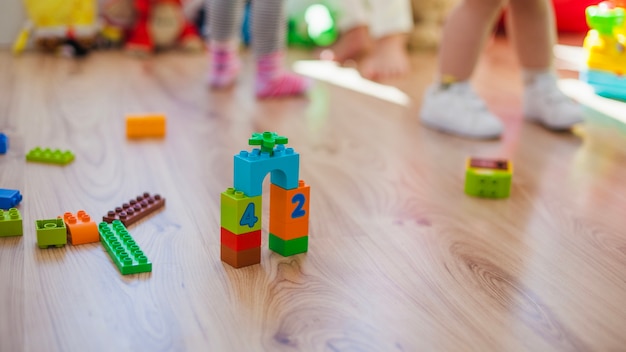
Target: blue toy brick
(51,232)
(10,223)
(4,143)
(9,198)
(252,167)
(123,249)
(605,84)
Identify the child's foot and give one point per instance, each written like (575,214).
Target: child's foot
(456,109)
(545,103)
(224,65)
(388,59)
(273,82)
(351,45)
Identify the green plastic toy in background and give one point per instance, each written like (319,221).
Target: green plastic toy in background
(314,25)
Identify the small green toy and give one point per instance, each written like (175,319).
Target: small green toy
(488,178)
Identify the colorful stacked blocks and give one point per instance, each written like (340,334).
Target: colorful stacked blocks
(123,249)
(51,232)
(50,156)
(240,228)
(10,223)
(4,143)
(80,228)
(488,178)
(9,198)
(136,209)
(289,219)
(145,126)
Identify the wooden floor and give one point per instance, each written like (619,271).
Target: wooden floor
(400,259)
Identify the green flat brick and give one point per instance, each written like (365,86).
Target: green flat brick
(287,248)
(239,211)
(10,223)
(51,232)
(123,249)
(50,156)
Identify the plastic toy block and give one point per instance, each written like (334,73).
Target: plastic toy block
(10,223)
(239,259)
(9,198)
(50,156)
(51,232)
(489,178)
(287,248)
(604,18)
(605,84)
(145,126)
(239,213)
(289,211)
(123,249)
(136,209)
(80,228)
(267,141)
(240,242)
(252,167)
(4,143)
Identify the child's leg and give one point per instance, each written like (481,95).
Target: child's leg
(450,104)
(224,22)
(353,23)
(268,41)
(531,24)
(391,21)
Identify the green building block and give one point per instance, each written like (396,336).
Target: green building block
(123,249)
(488,178)
(51,232)
(239,213)
(289,247)
(50,156)
(10,223)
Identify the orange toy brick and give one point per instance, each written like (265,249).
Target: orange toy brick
(80,228)
(145,126)
(289,211)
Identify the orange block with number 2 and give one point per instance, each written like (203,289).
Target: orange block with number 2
(289,211)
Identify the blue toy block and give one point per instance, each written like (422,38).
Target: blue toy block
(605,84)
(9,198)
(4,143)
(252,167)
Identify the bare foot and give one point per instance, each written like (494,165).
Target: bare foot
(389,58)
(351,45)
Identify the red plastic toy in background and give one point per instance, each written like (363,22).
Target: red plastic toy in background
(570,15)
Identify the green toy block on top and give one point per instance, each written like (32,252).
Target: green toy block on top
(10,223)
(287,248)
(123,249)
(239,213)
(488,178)
(50,156)
(51,232)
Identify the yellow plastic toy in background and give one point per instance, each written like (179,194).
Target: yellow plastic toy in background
(58,19)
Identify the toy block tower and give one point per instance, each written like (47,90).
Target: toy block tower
(488,178)
(241,205)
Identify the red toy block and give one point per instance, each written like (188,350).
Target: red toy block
(239,259)
(136,209)
(240,242)
(80,228)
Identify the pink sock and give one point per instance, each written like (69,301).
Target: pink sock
(272,81)
(224,64)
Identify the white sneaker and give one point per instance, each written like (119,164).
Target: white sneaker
(545,103)
(458,110)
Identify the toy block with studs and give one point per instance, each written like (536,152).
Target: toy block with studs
(240,213)
(123,249)
(136,209)
(10,223)
(239,259)
(488,178)
(50,156)
(9,198)
(80,228)
(290,247)
(289,211)
(242,241)
(4,143)
(51,232)
(146,126)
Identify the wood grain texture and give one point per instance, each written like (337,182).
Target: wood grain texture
(400,259)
